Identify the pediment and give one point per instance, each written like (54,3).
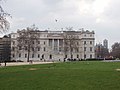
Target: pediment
(55,35)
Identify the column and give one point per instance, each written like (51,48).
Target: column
(58,44)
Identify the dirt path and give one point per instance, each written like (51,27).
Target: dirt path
(23,63)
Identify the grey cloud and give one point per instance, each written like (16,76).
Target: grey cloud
(43,13)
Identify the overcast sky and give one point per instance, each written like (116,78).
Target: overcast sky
(102,16)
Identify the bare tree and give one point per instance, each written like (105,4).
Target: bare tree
(116,50)
(28,40)
(4,24)
(101,51)
(71,42)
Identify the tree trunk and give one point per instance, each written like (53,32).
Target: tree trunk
(28,56)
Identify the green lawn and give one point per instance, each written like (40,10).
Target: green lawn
(62,76)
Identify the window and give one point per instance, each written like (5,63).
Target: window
(32,55)
(85,56)
(77,50)
(13,55)
(13,35)
(20,48)
(38,55)
(38,42)
(90,35)
(71,49)
(25,55)
(44,49)
(50,56)
(85,35)
(90,55)
(60,49)
(33,42)
(44,43)
(65,56)
(90,42)
(84,42)
(71,56)
(90,48)
(38,48)
(85,48)
(32,48)
(13,48)
(77,56)
(25,47)
(19,54)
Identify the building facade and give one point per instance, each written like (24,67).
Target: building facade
(105,43)
(101,50)
(51,46)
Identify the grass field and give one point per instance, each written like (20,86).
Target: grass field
(62,76)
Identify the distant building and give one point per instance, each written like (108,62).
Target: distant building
(52,47)
(101,51)
(105,43)
(5,48)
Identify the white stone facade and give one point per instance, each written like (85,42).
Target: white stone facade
(52,46)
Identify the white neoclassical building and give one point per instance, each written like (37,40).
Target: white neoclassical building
(52,46)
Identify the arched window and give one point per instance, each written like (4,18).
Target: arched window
(43,56)
(50,56)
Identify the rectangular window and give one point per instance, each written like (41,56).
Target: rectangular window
(65,56)
(90,56)
(25,55)
(32,55)
(38,42)
(60,49)
(32,48)
(84,42)
(25,47)
(71,56)
(85,48)
(13,48)
(19,54)
(77,49)
(91,49)
(20,48)
(38,48)
(44,49)
(33,42)
(38,55)
(85,56)
(44,43)
(13,55)
(90,42)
